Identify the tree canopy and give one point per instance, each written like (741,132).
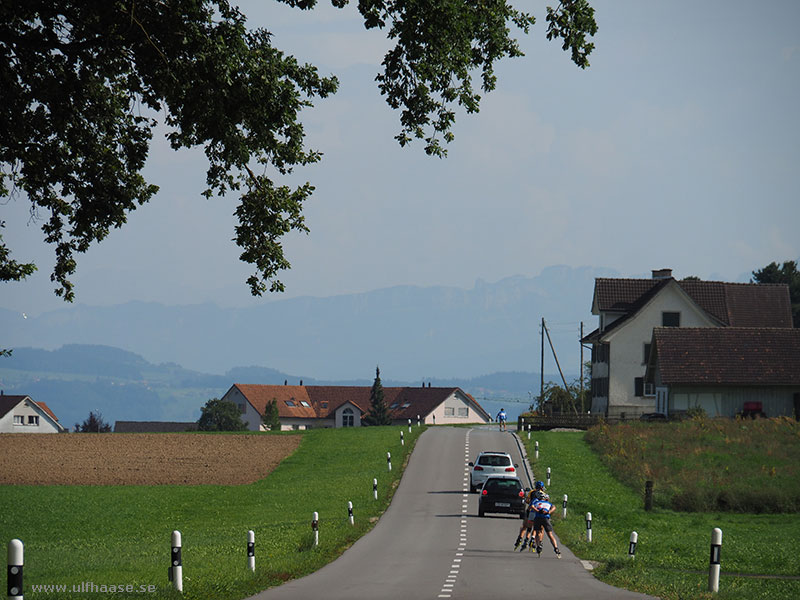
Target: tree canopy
(786,273)
(220,415)
(85,84)
(94,423)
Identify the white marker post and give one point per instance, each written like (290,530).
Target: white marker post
(16,552)
(548,476)
(564,509)
(389,460)
(529,432)
(176,570)
(375,488)
(536,447)
(350,513)
(588,527)
(409,426)
(716,549)
(632,544)
(315,528)
(402,439)
(418,422)
(251,550)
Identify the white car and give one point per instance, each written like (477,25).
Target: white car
(490,463)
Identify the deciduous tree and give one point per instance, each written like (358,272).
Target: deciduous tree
(84,85)
(220,415)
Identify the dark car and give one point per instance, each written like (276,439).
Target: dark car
(501,494)
(653,417)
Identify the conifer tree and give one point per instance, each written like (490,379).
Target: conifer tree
(378,413)
(271,418)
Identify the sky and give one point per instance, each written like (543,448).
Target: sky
(677,148)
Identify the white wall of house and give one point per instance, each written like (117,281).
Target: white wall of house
(249,414)
(727,401)
(627,347)
(26,417)
(456,409)
(347,415)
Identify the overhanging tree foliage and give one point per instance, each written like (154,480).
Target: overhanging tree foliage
(84,84)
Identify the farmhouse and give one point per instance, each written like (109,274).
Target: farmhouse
(305,407)
(629,310)
(726,371)
(20,414)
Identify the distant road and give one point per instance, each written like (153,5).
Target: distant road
(430,543)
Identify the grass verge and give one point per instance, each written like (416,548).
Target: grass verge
(673,551)
(120,535)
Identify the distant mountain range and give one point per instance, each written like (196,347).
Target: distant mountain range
(413,333)
(121,385)
(147,361)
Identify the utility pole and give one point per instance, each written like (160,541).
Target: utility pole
(541,371)
(581,365)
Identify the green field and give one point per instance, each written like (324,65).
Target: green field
(759,551)
(120,535)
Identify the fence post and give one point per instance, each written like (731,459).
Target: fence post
(632,545)
(16,551)
(251,550)
(588,527)
(648,495)
(375,488)
(350,512)
(564,511)
(716,549)
(315,528)
(176,570)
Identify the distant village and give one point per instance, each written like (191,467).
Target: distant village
(663,348)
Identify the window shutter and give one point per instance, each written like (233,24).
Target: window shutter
(638,384)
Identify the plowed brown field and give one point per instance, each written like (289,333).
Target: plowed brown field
(140,458)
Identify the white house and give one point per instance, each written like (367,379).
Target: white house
(629,310)
(304,407)
(20,414)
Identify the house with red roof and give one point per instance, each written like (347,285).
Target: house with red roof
(310,406)
(726,371)
(630,309)
(20,414)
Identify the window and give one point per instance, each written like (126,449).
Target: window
(348,418)
(406,404)
(33,420)
(19,420)
(643,389)
(671,319)
(324,404)
(463,411)
(449,411)
(646,354)
(289,402)
(304,403)
(600,353)
(394,405)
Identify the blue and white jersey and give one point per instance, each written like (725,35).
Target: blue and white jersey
(501,416)
(542,508)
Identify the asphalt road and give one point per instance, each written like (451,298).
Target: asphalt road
(430,543)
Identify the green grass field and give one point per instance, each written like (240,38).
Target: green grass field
(759,551)
(120,535)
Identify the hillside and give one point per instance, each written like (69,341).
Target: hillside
(76,379)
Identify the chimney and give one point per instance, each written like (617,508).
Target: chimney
(285,382)
(662,273)
(301,382)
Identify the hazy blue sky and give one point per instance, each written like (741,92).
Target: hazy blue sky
(679,147)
